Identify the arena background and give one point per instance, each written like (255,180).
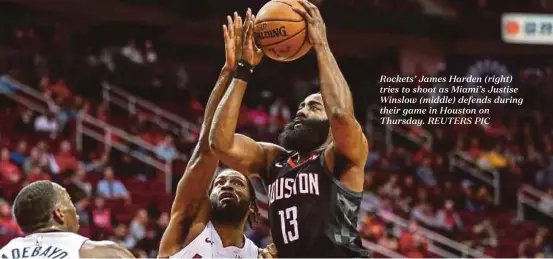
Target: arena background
(91,89)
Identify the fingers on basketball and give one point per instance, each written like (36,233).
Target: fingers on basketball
(311,10)
(301,12)
(281,30)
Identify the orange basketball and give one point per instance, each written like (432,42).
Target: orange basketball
(281,32)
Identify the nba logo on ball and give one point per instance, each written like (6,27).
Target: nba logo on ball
(281,32)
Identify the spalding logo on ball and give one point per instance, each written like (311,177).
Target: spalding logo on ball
(281,32)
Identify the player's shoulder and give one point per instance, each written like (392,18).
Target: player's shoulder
(273,152)
(10,244)
(90,245)
(251,249)
(103,243)
(271,148)
(251,244)
(70,235)
(103,249)
(282,154)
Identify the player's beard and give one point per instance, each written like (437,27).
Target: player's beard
(310,135)
(229,213)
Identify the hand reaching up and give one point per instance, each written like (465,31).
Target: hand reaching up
(233,34)
(250,52)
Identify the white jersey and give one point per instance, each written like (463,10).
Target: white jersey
(208,244)
(54,245)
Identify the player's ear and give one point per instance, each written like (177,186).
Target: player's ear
(58,215)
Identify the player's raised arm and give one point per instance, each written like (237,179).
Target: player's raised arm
(190,204)
(235,150)
(103,249)
(348,138)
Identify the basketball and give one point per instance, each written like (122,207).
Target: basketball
(281,32)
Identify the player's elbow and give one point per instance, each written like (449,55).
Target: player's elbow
(213,144)
(216,144)
(203,146)
(214,140)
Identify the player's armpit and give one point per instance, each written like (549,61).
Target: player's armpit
(103,249)
(246,155)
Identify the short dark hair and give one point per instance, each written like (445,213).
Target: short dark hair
(34,204)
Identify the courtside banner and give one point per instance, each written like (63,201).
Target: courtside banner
(527,28)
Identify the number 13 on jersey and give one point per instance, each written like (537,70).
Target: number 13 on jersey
(289,220)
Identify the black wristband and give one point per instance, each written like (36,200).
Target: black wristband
(243,71)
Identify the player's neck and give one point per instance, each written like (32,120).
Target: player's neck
(51,229)
(230,234)
(301,157)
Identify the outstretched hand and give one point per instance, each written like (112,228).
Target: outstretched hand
(233,34)
(316,27)
(250,52)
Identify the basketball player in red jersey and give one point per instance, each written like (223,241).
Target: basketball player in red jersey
(212,225)
(315,176)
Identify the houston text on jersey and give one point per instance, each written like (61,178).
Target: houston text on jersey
(284,188)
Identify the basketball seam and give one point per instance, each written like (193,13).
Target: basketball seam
(277,20)
(284,3)
(291,36)
(276,1)
(298,50)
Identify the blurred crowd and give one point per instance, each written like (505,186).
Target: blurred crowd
(106,185)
